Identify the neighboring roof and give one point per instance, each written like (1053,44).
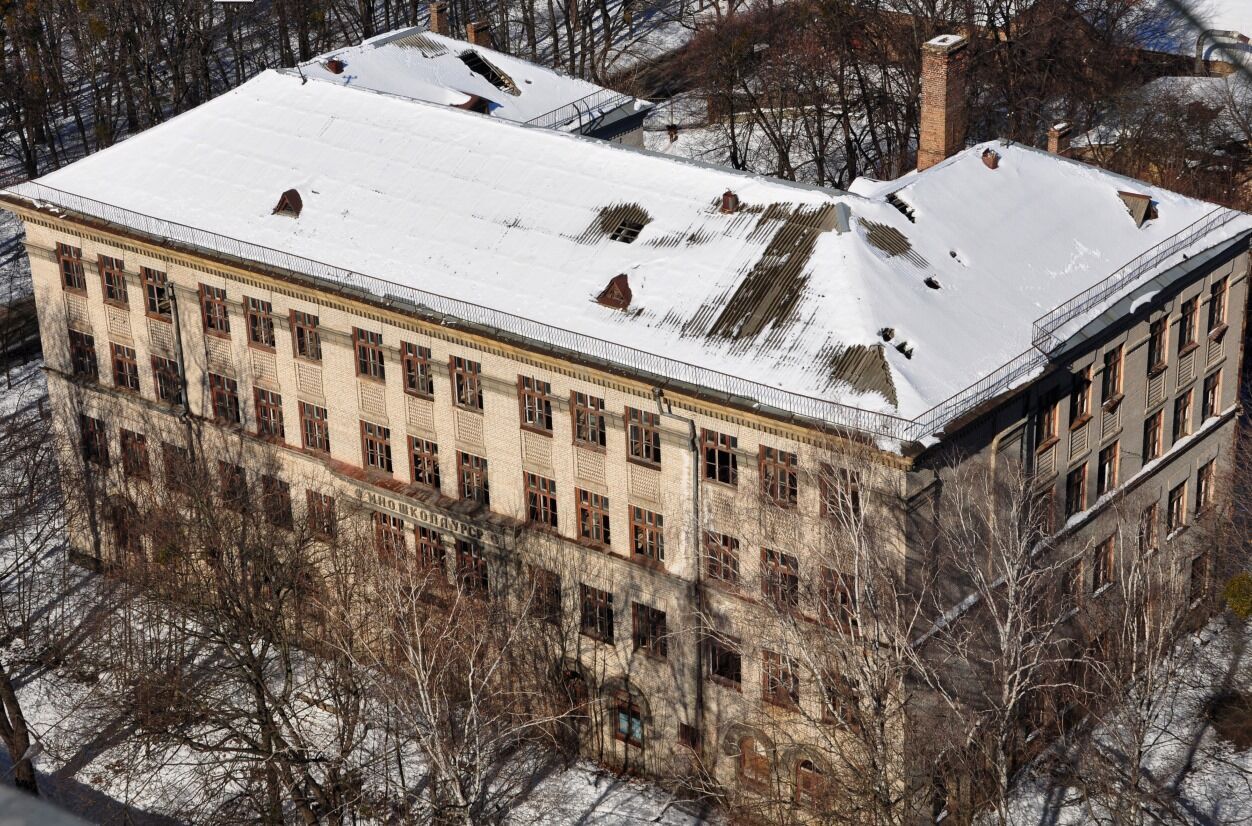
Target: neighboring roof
(1179,32)
(520,220)
(420,64)
(1224,95)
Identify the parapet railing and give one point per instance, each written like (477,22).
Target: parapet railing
(449,311)
(665,372)
(598,101)
(1043,332)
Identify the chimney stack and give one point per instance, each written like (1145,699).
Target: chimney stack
(1058,139)
(943,99)
(439,18)
(479,34)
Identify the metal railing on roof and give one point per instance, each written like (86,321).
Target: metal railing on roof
(665,372)
(1043,332)
(588,107)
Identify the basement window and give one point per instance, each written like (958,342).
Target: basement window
(626,232)
(494,76)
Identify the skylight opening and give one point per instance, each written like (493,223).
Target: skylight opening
(494,76)
(626,232)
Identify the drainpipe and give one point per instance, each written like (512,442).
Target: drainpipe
(185,413)
(697,584)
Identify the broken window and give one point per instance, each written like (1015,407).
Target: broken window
(626,231)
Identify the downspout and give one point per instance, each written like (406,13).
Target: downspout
(697,582)
(185,413)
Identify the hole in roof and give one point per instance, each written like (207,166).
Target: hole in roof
(887,333)
(494,76)
(626,232)
(905,349)
(932,282)
(904,209)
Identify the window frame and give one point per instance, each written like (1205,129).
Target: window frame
(157,293)
(424,462)
(165,375)
(719,457)
(1158,346)
(725,652)
(466,378)
(276,501)
(780,684)
(588,420)
(780,579)
(1153,436)
(376,447)
(779,474)
(534,404)
(1103,561)
(306,336)
(1150,529)
(113,281)
(1080,398)
(1112,377)
(1107,468)
(541,501)
(649,630)
(125,363)
(594,526)
(595,609)
(214,311)
(1205,486)
(259,320)
(647,535)
(135,461)
(314,428)
(643,437)
(1076,489)
(269,414)
(473,478)
(70,262)
(224,398)
(320,513)
(721,555)
(1188,323)
(367,347)
(1210,402)
(1176,509)
(431,553)
(415,364)
(1181,425)
(390,537)
(1218,293)
(473,575)
(84,362)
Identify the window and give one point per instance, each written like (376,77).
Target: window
(1210,405)
(1182,415)
(540,500)
(629,728)
(467,390)
(125,368)
(535,400)
(1187,324)
(260,323)
(71,262)
(376,446)
(589,421)
(321,514)
(314,427)
(647,534)
(779,483)
(593,517)
(156,293)
(1043,514)
(837,598)
(168,381)
(1106,471)
(472,478)
(269,414)
(780,684)
(720,462)
(780,578)
(430,551)
(1152,436)
(135,455)
(721,557)
(369,354)
(545,598)
(179,470)
(596,619)
(643,436)
(1157,334)
(1080,398)
(688,736)
(1111,380)
(306,336)
(1176,516)
(224,393)
(1217,306)
(418,378)
(1204,481)
(1102,565)
(276,501)
(389,537)
(113,279)
(1149,529)
(1046,424)
(83,355)
(1076,490)
(649,632)
(753,763)
(725,663)
(840,700)
(471,567)
(424,461)
(626,232)
(840,491)
(213,309)
(811,787)
(1072,585)
(234,485)
(1197,582)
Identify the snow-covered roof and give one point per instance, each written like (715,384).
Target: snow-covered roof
(793,291)
(1182,25)
(420,64)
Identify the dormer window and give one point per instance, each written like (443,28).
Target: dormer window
(617,294)
(626,232)
(289,204)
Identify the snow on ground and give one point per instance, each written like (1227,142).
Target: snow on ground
(1210,781)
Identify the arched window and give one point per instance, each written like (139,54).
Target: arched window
(753,763)
(810,784)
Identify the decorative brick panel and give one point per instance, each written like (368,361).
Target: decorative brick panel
(161,337)
(589,466)
(536,450)
(264,367)
(645,483)
(218,350)
(76,309)
(373,400)
(420,414)
(309,380)
(469,427)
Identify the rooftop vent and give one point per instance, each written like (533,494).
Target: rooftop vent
(617,294)
(1141,207)
(887,333)
(991,158)
(335,66)
(903,208)
(289,204)
(494,76)
(905,349)
(730,202)
(626,232)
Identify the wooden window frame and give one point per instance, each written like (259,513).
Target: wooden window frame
(135,461)
(276,501)
(780,684)
(779,473)
(1103,560)
(125,367)
(214,311)
(113,281)
(719,457)
(320,512)
(157,294)
(1188,324)
(1153,436)
(541,501)
(70,262)
(1107,471)
(725,656)
(1205,482)
(314,427)
(177,468)
(649,631)
(424,462)
(367,346)
(259,318)
(1158,345)
(837,600)
(467,386)
(224,399)
(1211,401)
(1047,426)
(1111,378)
(1080,399)
(1218,292)
(587,418)
(390,537)
(233,485)
(472,573)
(839,490)
(721,557)
(419,379)
(473,479)
(431,553)
(647,535)
(753,768)
(1076,490)
(595,614)
(534,404)
(1176,510)
(643,437)
(376,447)
(1182,415)
(1150,529)
(545,601)
(84,362)
(633,735)
(780,579)
(167,381)
(306,336)
(594,526)
(269,414)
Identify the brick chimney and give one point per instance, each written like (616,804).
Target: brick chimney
(439,18)
(1058,139)
(943,99)
(479,34)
